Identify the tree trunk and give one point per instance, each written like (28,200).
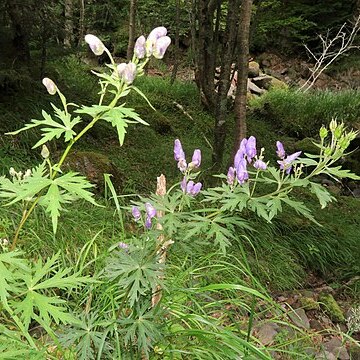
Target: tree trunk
(177,46)
(81,22)
(69,26)
(242,78)
(132,19)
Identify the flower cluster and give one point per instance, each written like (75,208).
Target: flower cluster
(156,44)
(150,212)
(188,187)
(285,162)
(244,156)
(19,175)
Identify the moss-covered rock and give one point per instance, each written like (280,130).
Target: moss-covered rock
(308,303)
(331,307)
(93,166)
(277,84)
(254,69)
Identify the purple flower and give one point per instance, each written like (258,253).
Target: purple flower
(139,48)
(193,189)
(183,184)
(230,176)
(285,164)
(96,45)
(250,148)
(182,165)
(148,222)
(127,72)
(50,86)
(136,213)
(123,245)
(160,47)
(259,164)
(157,33)
(150,210)
(178,151)
(280,150)
(241,172)
(196,159)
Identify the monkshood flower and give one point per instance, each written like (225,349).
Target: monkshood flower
(150,213)
(139,48)
(285,164)
(280,150)
(127,72)
(178,150)
(250,148)
(50,86)
(183,184)
(192,188)
(96,45)
(196,159)
(136,213)
(231,175)
(241,172)
(260,165)
(157,42)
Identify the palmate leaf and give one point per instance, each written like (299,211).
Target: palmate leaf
(11,266)
(33,304)
(322,194)
(338,172)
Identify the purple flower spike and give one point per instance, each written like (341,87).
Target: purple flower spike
(280,150)
(150,210)
(96,45)
(127,72)
(250,148)
(160,47)
(139,48)
(50,86)
(238,158)
(241,172)
(231,176)
(136,213)
(183,184)
(148,222)
(260,165)
(178,151)
(196,159)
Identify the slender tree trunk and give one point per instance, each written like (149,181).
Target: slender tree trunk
(177,46)
(69,26)
(132,19)
(242,78)
(81,22)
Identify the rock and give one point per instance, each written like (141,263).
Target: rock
(267,333)
(336,347)
(299,318)
(93,166)
(354,352)
(277,84)
(262,81)
(253,88)
(316,325)
(325,355)
(308,303)
(331,307)
(254,69)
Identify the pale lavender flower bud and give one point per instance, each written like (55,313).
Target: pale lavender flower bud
(239,156)
(280,150)
(148,222)
(154,35)
(182,165)
(136,213)
(189,186)
(196,159)
(241,172)
(139,49)
(250,148)
(123,245)
(178,150)
(150,210)
(160,47)
(50,86)
(127,72)
(96,45)
(259,164)
(183,184)
(230,176)
(285,164)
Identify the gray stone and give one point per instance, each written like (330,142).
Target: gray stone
(299,318)
(267,333)
(263,82)
(336,347)
(325,355)
(254,89)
